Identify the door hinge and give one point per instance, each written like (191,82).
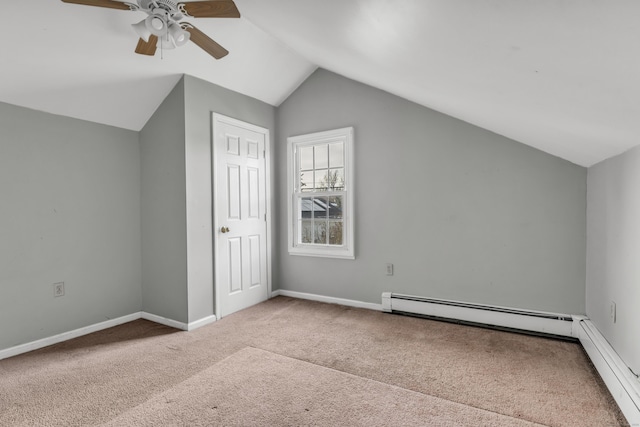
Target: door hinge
(264,154)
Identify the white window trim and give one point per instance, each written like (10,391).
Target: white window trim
(346,251)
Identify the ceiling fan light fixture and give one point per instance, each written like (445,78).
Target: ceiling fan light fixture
(141,29)
(179,36)
(156,25)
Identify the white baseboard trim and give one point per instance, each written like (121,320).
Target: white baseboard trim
(164,321)
(65,336)
(623,386)
(45,342)
(330,300)
(178,325)
(202,322)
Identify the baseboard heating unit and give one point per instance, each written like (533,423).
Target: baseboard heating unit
(535,322)
(619,379)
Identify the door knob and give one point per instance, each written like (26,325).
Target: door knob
(224,229)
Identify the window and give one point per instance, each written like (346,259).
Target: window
(320,169)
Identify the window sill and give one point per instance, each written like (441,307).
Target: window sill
(322,253)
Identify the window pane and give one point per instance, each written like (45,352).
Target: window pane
(320,207)
(306,231)
(335,207)
(320,236)
(306,207)
(336,155)
(306,158)
(306,181)
(335,233)
(336,179)
(322,156)
(321,180)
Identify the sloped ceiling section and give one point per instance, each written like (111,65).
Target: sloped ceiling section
(79,61)
(561,76)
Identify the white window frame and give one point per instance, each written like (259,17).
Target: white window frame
(346,250)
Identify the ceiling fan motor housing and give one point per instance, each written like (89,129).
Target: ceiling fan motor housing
(171,8)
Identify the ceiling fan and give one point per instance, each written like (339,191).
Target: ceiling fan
(164,22)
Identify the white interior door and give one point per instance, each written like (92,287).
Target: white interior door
(240,219)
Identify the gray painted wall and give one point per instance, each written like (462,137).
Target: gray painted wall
(70,212)
(461,212)
(613,245)
(163,198)
(125,218)
(203,99)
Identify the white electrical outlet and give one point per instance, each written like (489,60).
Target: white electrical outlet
(389,269)
(612,311)
(58,289)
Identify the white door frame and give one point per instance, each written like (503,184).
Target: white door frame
(216,119)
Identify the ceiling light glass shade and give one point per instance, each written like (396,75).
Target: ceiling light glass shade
(141,29)
(156,25)
(179,36)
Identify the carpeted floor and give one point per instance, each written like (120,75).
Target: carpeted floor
(258,388)
(296,362)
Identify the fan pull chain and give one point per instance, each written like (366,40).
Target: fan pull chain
(161,47)
(162,42)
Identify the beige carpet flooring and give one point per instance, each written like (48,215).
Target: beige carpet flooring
(424,370)
(258,388)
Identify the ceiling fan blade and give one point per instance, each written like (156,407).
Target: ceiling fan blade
(206,43)
(211,9)
(101,3)
(147,48)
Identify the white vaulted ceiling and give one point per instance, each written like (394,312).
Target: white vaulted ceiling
(559,75)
